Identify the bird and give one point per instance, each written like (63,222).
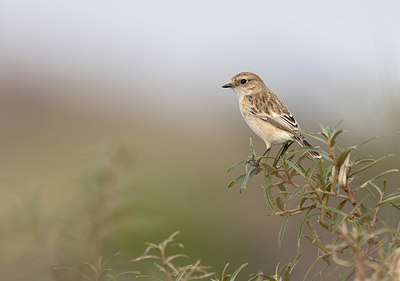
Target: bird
(266,114)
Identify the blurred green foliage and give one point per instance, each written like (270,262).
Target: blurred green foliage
(340,211)
(340,214)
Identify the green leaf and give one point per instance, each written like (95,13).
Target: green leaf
(371,164)
(311,228)
(127,273)
(364,160)
(334,136)
(333,271)
(294,263)
(286,277)
(344,155)
(281,270)
(325,200)
(368,140)
(223,271)
(324,131)
(384,186)
(181,274)
(112,277)
(269,198)
(236,180)
(318,243)
(324,225)
(327,173)
(297,191)
(282,231)
(256,276)
(377,188)
(253,152)
(365,212)
(99,260)
(141,276)
(338,207)
(111,258)
(380,175)
(235,274)
(333,177)
(347,274)
(235,165)
(89,266)
(395,206)
(302,201)
(249,174)
(334,210)
(282,189)
(389,198)
(326,259)
(73,270)
(300,233)
(299,169)
(170,238)
(339,123)
(313,135)
(315,239)
(280,204)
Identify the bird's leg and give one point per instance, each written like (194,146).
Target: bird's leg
(255,163)
(283,150)
(265,153)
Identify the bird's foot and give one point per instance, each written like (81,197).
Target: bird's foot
(254,162)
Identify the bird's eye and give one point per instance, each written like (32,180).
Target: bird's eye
(243,81)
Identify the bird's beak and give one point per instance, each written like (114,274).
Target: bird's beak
(229,85)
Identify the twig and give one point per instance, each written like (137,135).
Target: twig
(291,211)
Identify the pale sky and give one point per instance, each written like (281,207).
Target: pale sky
(169,52)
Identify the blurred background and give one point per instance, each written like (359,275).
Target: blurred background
(114,129)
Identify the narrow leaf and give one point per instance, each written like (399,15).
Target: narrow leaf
(250,173)
(223,271)
(297,191)
(368,140)
(280,204)
(253,152)
(389,199)
(282,231)
(235,165)
(334,135)
(236,180)
(371,164)
(235,274)
(343,156)
(269,199)
(297,169)
(380,175)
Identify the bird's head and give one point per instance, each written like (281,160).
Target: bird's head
(245,83)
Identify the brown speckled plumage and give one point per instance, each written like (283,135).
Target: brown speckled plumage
(265,112)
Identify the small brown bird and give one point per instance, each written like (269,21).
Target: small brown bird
(265,113)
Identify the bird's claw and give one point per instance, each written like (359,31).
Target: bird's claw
(253,162)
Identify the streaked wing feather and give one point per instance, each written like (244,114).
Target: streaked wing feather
(270,108)
(275,122)
(290,119)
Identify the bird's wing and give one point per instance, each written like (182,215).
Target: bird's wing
(272,110)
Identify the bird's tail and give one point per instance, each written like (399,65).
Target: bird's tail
(303,142)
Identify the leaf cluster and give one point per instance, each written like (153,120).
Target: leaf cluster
(331,197)
(165,262)
(98,271)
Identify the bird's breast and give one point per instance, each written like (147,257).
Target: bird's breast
(267,132)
